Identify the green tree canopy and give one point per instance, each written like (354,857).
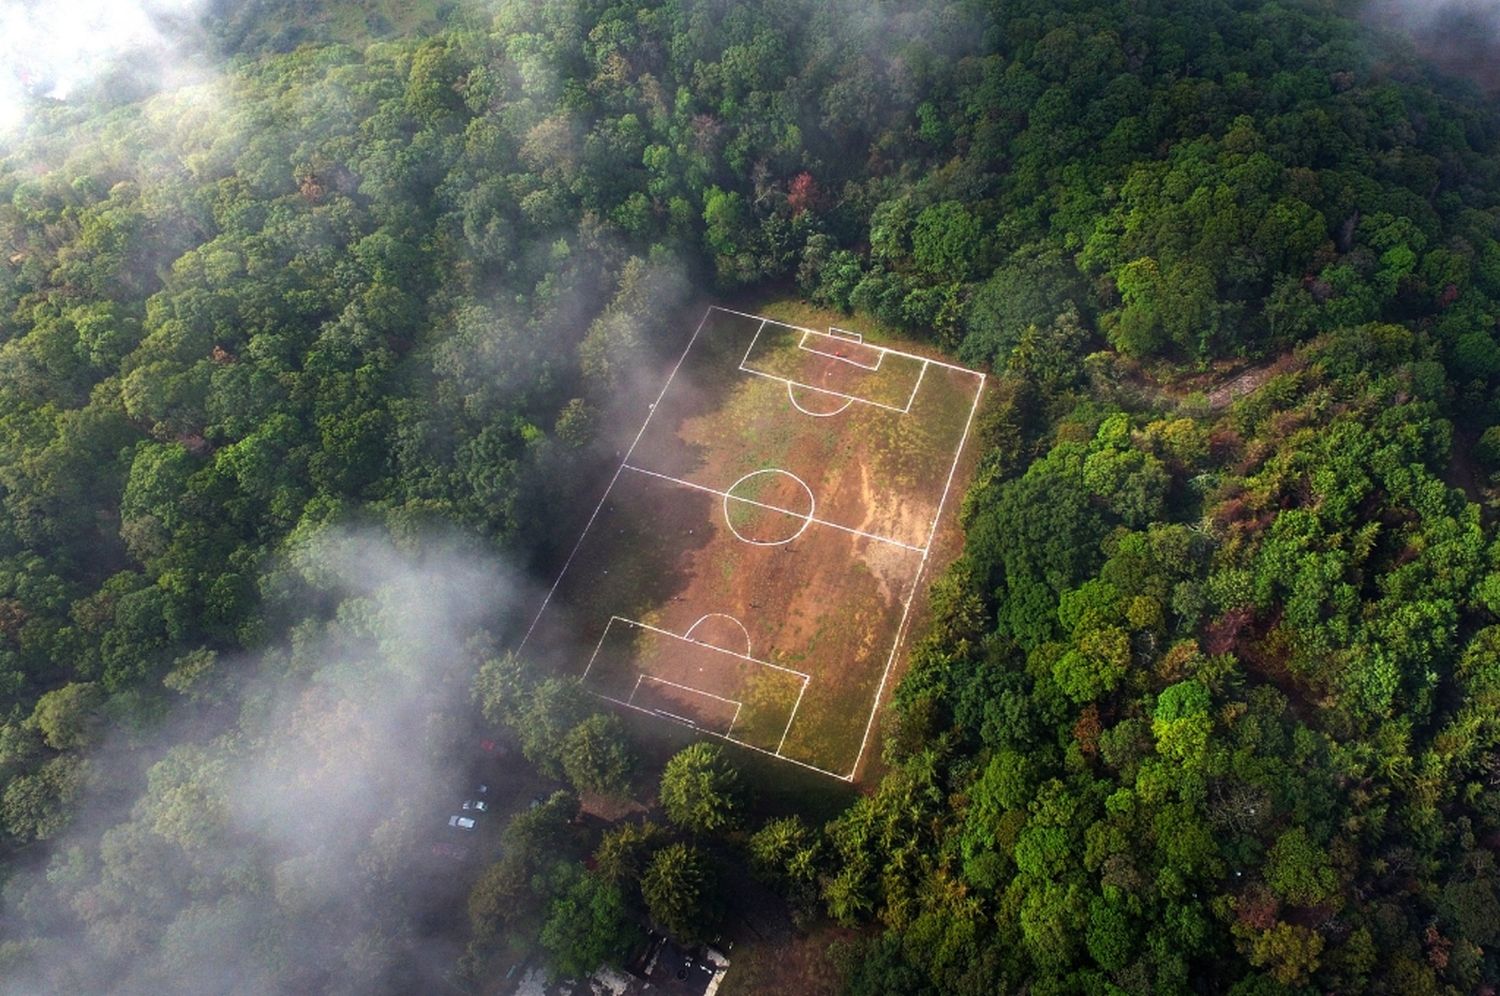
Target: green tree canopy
(678,887)
(700,790)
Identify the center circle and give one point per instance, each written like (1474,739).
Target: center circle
(768,507)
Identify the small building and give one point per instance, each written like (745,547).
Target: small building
(662,969)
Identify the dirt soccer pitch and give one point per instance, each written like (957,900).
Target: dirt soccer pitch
(750,568)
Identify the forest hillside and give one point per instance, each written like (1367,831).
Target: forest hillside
(313,343)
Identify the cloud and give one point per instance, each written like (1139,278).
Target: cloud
(1420,12)
(1462,37)
(291,847)
(50,49)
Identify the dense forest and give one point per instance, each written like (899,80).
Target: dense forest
(309,365)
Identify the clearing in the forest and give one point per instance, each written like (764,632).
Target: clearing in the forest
(750,569)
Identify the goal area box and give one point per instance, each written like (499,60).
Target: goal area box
(750,569)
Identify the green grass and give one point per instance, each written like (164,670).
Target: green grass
(280,26)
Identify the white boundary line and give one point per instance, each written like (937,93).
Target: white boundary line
(738,705)
(888,349)
(678,636)
(963,441)
(721,736)
(597,647)
(790,396)
(802,344)
(753,339)
(906,609)
(688,635)
(795,706)
(775,508)
(915,585)
(822,390)
(912,398)
(618,471)
(690,688)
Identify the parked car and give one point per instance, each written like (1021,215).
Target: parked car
(462,822)
(477,805)
(482,789)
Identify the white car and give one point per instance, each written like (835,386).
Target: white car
(462,822)
(477,805)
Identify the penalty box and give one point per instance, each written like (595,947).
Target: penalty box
(833,366)
(687,678)
(751,567)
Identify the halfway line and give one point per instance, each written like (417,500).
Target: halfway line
(775,508)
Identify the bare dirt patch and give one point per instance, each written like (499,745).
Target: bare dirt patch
(750,568)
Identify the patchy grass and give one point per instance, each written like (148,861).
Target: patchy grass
(373,20)
(796,311)
(804,534)
(797,963)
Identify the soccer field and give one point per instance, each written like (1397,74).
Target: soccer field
(750,570)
